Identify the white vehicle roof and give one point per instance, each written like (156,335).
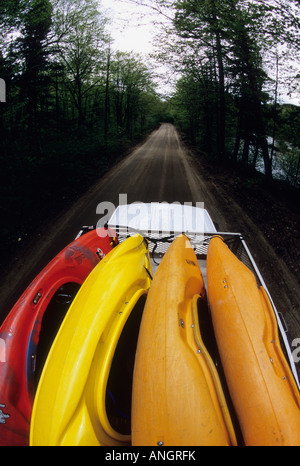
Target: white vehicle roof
(162,217)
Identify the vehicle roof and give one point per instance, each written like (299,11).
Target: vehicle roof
(162,217)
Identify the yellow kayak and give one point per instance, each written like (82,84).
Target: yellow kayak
(73,397)
(177,396)
(261,385)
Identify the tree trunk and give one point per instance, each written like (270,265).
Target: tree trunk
(267,161)
(245,155)
(222,109)
(106,111)
(237,139)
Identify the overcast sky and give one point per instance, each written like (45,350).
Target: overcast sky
(131,26)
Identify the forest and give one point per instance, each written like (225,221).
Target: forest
(234,59)
(74,105)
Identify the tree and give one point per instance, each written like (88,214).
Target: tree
(33,50)
(259,27)
(80,39)
(130,79)
(246,65)
(200,21)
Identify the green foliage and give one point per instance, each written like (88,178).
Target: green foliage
(72,107)
(223,50)
(288,159)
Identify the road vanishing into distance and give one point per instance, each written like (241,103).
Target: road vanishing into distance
(160,169)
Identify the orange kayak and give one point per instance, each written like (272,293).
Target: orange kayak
(177,397)
(260,382)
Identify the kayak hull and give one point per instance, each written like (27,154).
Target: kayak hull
(261,385)
(20,333)
(74,380)
(177,395)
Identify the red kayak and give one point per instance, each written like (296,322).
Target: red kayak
(29,329)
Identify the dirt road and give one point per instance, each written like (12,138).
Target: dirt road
(161,169)
(158,170)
